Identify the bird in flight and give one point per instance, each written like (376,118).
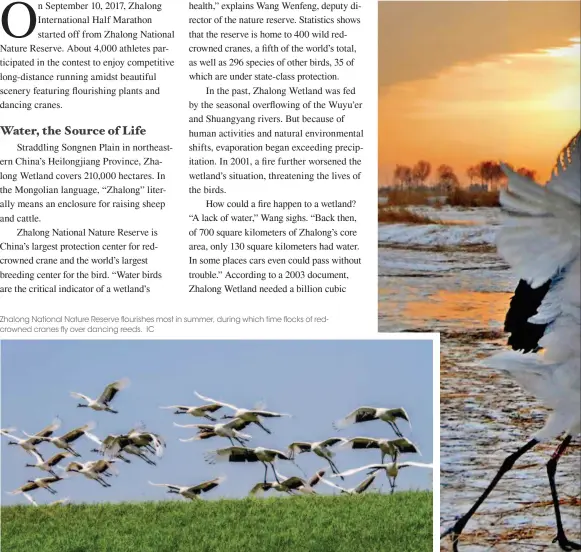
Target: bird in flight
(102,403)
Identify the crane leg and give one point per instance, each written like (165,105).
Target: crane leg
(507,465)
(564,542)
(265,429)
(334,468)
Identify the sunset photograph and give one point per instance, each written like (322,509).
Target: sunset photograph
(497,81)
(478,239)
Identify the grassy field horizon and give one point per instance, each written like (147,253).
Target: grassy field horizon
(373,522)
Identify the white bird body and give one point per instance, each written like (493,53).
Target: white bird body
(59,502)
(391,470)
(64,441)
(361,488)
(29,444)
(228,430)
(93,469)
(153,441)
(245,414)
(191,492)
(128,448)
(369,413)
(196,411)
(243,454)
(38,483)
(543,246)
(47,465)
(288,485)
(102,402)
(388,447)
(26,444)
(320,448)
(112,445)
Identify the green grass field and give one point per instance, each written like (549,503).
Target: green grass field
(372,523)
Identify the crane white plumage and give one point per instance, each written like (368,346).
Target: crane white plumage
(230,430)
(153,442)
(59,502)
(38,483)
(128,448)
(191,492)
(30,443)
(391,470)
(320,448)
(196,411)
(137,437)
(102,402)
(369,413)
(246,414)
(64,441)
(94,469)
(289,485)
(541,242)
(48,465)
(361,488)
(242,454)
(391,447)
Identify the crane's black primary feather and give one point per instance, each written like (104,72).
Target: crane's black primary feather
(524,335)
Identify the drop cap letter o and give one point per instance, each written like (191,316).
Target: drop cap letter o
(31,25)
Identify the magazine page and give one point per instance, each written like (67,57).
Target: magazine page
(217,332)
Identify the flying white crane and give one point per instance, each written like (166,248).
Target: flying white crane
(320,448)
(248,415)
(38,483)
(112,445)
(391,447)
(64,441)
(47,465)
(289,485)
(30,443)
(61,501)
(129,448)
(153,442)
(94,470)
(361,488)
(243,454)
(391,470)
(196,411)
(228,430)
(192,492)
(369,413)
(542,245)
(102,403)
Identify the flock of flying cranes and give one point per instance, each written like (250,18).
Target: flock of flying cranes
(147,445)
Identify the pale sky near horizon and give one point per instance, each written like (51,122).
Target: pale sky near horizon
(316,381)
(462,82)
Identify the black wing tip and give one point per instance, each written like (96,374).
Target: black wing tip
(524,335)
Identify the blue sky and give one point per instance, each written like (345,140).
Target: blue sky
(316,381)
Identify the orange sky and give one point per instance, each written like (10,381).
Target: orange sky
(461,82)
